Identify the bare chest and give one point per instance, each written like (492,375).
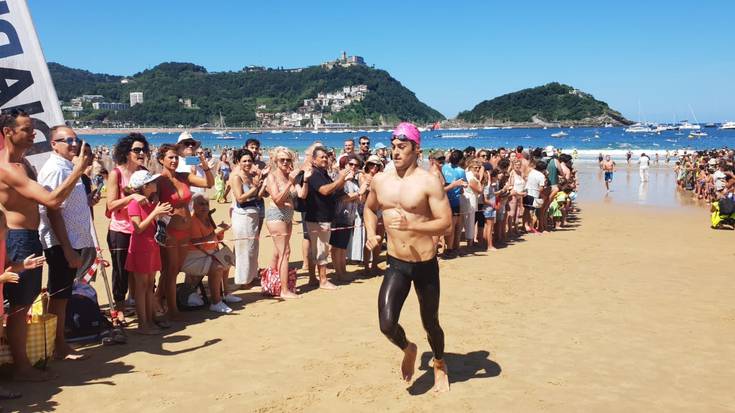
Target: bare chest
(407,195)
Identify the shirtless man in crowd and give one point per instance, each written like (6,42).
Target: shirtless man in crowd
(415,208)
(20,196)
(608,166)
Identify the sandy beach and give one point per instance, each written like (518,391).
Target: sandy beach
(628,309)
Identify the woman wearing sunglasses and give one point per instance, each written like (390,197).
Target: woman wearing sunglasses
(373,166)
(348,200)
(130,155)
(279,213)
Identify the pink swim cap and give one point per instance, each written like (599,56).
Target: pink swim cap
(409,131)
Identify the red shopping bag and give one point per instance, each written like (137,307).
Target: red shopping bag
(270,281)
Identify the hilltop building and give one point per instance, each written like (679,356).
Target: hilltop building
(135,98)
(345,61)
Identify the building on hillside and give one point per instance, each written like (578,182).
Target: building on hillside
(345,61)
(110,106)
(92,98)
(136,98)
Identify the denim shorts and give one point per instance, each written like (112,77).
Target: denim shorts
(21,243)
(488,212)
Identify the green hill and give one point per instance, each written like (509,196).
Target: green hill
(553,102)
(237,94)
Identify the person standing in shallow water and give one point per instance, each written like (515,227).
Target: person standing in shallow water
(609,168)
(415,209)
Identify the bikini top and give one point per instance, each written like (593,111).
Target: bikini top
(169,193)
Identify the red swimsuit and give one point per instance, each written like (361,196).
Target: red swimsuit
(169,193)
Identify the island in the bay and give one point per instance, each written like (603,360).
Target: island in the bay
(553,104)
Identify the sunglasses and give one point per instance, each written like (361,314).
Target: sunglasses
(138,151)
(285,160)
(189,144)
(68,141)
(353,164)
(402,138)
(364,143)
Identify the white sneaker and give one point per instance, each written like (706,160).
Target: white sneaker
(194,300)
(220,307)
(229,298)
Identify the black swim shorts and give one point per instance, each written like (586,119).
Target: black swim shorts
(528,201)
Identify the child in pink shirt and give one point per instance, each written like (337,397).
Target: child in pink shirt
(144,256)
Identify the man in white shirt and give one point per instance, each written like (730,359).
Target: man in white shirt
(64,231)
(643,162)
(719,177)
(534,185)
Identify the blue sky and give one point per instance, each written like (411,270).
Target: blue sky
(666,55)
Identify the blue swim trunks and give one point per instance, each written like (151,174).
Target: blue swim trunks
(608,176)
(21,243)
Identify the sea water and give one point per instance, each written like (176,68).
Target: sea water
(588,142)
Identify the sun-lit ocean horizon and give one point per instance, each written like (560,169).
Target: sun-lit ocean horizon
(588,142)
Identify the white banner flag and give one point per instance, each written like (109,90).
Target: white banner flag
(25,82)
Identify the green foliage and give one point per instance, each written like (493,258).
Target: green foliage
(551,102)
(237,94)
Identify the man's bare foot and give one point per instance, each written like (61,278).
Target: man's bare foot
(288,295)
(441,377)
(409,361)
(33,375)
(326,285)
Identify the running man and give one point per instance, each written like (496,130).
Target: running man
(415,208)
(608,166)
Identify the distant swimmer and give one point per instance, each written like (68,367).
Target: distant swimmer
(628,155)
(575,154)
(415,209)
(609,167)
(599,159)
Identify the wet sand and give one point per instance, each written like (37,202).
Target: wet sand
(627,309)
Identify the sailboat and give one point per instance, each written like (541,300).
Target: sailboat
(224,136)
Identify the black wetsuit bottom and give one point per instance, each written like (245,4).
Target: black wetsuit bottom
(393,293)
